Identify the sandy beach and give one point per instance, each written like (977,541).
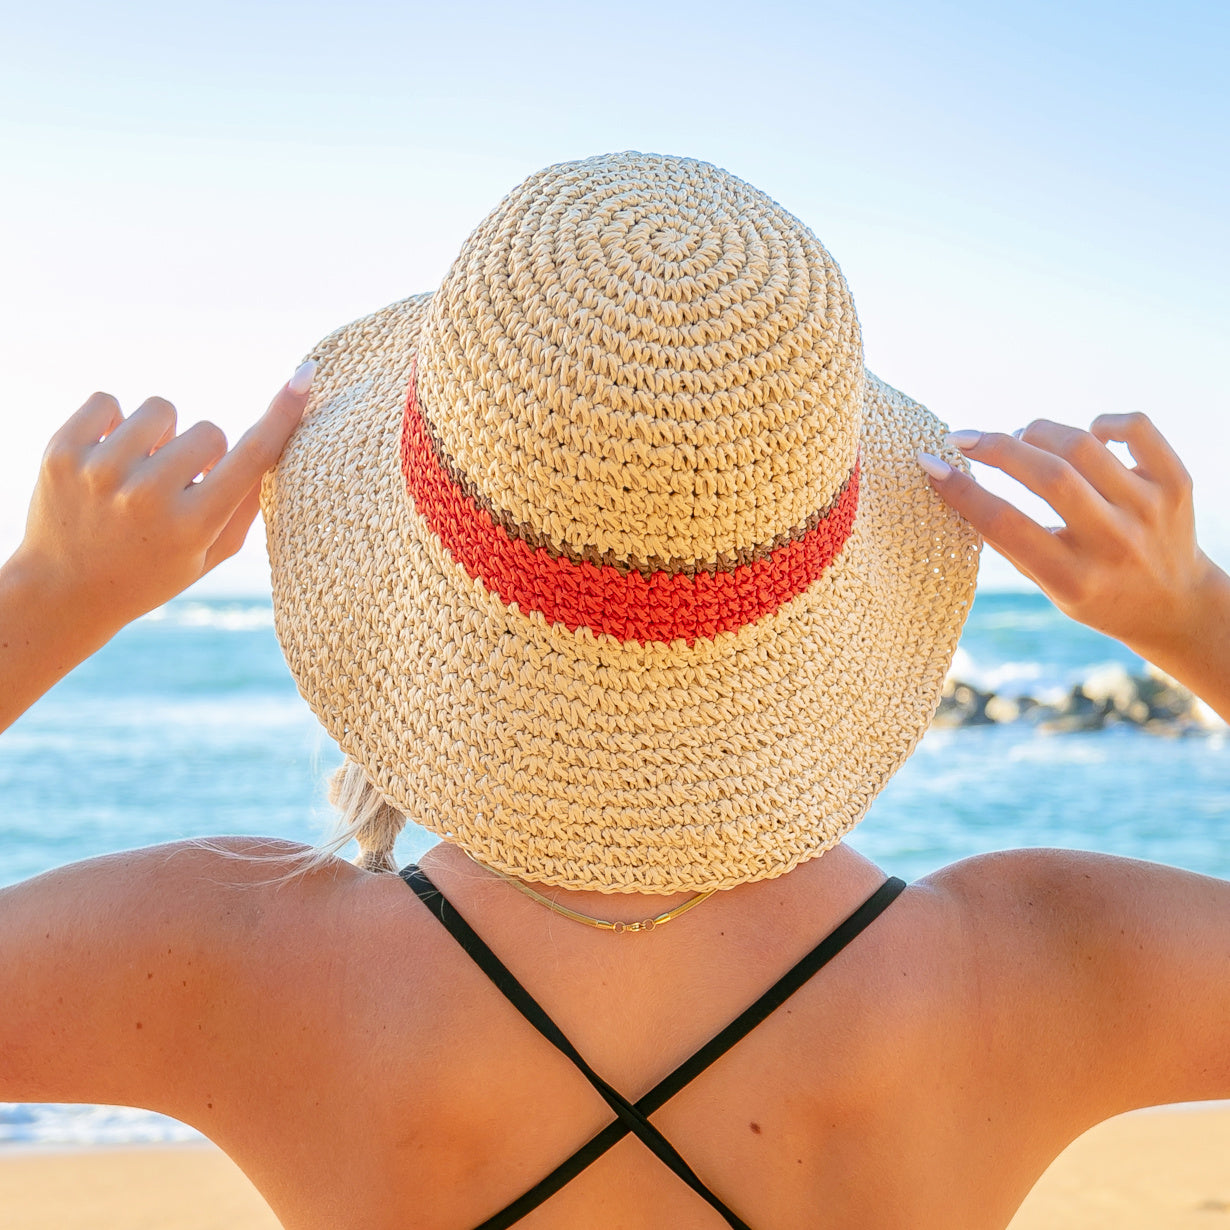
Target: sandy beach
(1160,1170)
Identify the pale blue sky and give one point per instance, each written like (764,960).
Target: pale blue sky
(1029,201)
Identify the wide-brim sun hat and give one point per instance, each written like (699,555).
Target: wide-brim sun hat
(608,562)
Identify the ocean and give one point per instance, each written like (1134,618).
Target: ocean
(188,724)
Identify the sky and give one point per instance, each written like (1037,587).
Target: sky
(1029,201)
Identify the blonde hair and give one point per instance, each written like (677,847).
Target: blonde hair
(364,816)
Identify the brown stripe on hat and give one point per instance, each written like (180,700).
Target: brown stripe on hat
(629,603)
(623,564)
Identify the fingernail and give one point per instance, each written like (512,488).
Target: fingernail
(962,439)
(934,466)
(301,381)
(1020,431)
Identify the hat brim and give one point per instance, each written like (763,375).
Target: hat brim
(578,760)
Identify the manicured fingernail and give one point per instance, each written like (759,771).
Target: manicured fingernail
(301,381)
(1020,431)
(935,466)
(962,439)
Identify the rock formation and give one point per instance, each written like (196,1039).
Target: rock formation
(1152,701)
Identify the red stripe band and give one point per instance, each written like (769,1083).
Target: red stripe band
(663,606)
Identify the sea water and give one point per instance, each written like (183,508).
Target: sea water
(188,724)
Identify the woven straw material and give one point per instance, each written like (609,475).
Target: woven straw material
(608,562)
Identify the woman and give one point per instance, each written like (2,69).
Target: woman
(610,564)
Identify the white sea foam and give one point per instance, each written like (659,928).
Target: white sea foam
(224,616)
(41,1124)
(1012,678)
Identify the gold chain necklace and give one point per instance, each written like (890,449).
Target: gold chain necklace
(620,928)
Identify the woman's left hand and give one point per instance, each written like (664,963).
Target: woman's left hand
(1125,561)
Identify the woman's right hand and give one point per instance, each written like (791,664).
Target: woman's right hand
(1125,561)
(125,515)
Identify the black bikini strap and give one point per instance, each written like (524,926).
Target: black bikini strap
(775,996)
(630,1118)
(708,1054)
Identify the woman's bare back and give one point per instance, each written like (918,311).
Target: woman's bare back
(338,1043)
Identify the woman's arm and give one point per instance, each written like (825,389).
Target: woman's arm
(1126,561)
(119,523)
(111,980)
(1111,977)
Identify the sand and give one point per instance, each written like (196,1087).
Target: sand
(178,1187)
(1160,1170)
(1153,1170)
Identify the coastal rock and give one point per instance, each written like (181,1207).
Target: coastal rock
(1118,692)
(962,704)
(1172,709)
(1000,709)
(1079,712)
(1111,694)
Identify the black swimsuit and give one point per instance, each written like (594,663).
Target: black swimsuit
(634,1116)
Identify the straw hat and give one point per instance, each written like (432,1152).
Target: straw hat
(608,561)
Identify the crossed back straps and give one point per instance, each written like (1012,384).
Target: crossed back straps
(633,1117)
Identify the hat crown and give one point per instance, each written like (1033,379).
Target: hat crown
(635,359)
(642,361)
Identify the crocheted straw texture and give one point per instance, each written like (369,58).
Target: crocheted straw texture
(608,561)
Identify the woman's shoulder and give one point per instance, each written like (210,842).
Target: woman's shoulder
(1109,970)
